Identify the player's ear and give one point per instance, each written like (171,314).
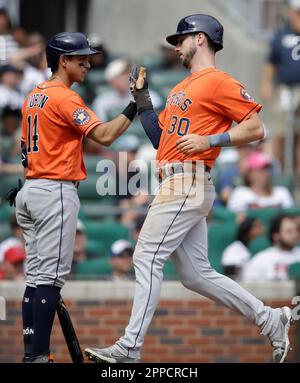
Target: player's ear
(200,38)
(63,60)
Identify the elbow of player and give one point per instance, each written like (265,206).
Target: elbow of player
(107,140)
(258,132)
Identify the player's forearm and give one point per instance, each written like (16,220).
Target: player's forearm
(245,132)
(107,132)
(149,121)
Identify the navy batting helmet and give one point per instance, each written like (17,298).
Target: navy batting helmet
(199,23)
(67,43)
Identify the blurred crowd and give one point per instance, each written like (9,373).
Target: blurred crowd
(257,176)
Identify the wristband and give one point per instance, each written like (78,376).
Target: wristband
(130,111)
(217,140)
(143,100)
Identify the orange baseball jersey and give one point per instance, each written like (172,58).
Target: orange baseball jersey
(55,119)
(204,103)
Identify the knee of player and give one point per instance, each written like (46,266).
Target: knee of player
(195,281)
(147,258)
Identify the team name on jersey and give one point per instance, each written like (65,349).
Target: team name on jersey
(180,100)
(37,99)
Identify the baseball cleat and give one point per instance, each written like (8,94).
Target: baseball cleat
(26,359)
(280,339)
(43,358)
(112,354)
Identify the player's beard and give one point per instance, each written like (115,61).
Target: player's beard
(186,61)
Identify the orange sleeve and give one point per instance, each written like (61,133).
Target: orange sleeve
(231,100)
(76,114)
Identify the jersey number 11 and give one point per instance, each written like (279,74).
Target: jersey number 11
(32,131)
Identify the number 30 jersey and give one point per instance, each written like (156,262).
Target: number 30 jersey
(55,120)
(204,103)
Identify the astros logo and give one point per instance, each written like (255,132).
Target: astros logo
(81,117)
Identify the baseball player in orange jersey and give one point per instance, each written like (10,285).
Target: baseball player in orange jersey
(194,126)
(55,120)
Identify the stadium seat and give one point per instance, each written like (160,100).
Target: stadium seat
(5,231)
(107,232)
(170,271)
(220,213)
(5,213)
(96,247)
(94,189)
(259,244)
(91,162)
(294,271)
(94,269)
(9,182)
(219,237)
(266,215)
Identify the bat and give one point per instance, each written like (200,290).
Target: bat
(69,332)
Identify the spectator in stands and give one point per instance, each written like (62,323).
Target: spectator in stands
(259,191)
(10,46)
(12,266)
(121,260)
(10,78)
(81,253)
(272,264)
(102,60)
(232,172)
(10,134)
(132,208)
(16,238)
(231,166)
(131,182)
(110,102)
(12,253)
(282,67)
(21,36)
(237,254)
(33,63)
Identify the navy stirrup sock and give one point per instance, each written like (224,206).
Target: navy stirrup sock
(44,308)
(28,325)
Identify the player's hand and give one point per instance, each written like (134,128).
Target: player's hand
(12,194)
(192,144)
(139,88)
(133,76)
(137,79)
